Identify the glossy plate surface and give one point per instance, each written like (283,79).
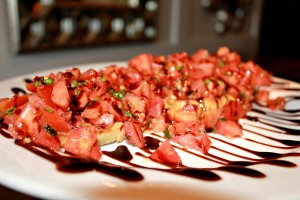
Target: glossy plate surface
(26,172)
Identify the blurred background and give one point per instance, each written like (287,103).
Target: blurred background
(43,34)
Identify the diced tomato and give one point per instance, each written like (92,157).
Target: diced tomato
(199,141)
(44,139)
(156,106)
(15,132)
(134,134)
(104,121)
(158,124)
(201,54)
(27,121)
(55,119)
(5,104)
(90,74)
(45,92)
(20,100)
(165,153)
(81,141)
(60,95)
(142,63)
(83,100)
(95,152)
(91,112)
(141,88)
(135,103)
(262,97)
(233,110)
(199,86)
(132,76)
(228,128)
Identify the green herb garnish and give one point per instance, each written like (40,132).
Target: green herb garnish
(207,81)
(47,81)
(49,110)
(118,94)
(178,67)
(128,113)
(167,134)
(10,110)
(50,130)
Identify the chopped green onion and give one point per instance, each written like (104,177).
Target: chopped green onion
(74,84)
(47,81)
(178,67)
(103,79)
(118,94)
(243,96)
(96,99)
(222,63)
(219,82)
(207,81)
(36,83)
(223,119)
(256,90)
(201,130)
(78,91)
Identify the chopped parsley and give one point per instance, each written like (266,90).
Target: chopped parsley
(75,84)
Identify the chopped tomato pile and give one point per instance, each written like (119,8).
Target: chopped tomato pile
(184,96)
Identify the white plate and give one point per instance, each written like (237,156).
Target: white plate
(26,172)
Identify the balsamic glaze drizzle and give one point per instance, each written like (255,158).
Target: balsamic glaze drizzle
(71,164)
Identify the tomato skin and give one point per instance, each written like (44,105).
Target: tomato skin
(165,153)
